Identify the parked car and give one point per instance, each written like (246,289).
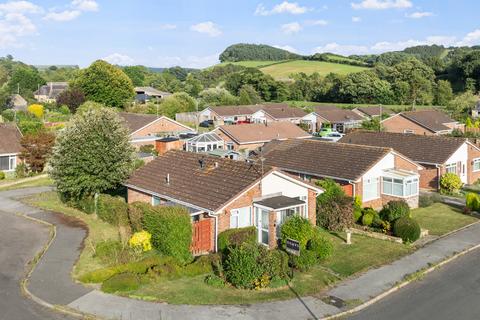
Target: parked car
(206,124)
(334,136)
(325,131)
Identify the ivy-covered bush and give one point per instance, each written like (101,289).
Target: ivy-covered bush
(394,210)
(113,210)
(236,237)
(450,183)
(472,201)
(407,229)
(171,231)
(297,228)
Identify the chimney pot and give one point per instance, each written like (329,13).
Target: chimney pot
(168,178)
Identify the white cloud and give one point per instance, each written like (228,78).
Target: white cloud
(12,26)
(382,4)
(395,46)
(208,27)
(284,7)
(341,49)
(356,19)
(316,22)
(66,15)
(85,5)
(472,38)
(286,47)
(120,59)
(290,28)
(196,62)
(168,26)
(19,7)
(419,14)
(441,40)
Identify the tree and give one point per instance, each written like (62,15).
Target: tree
(371,124)
(72,98)
(136,74)
(193,86)
(443,93)
(334,208)
(101,82)
(176,103)
(26,80)
(461,104)
(37,148)
(216,97)
(366,87)
(248,95)
(93,154)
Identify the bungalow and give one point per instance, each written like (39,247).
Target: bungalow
(222,194)
(145,128)
(340,120)
(373,111)
(424,122)
(145,94)
(437,154)
(278,112)
(17,102)
(49,92)
(377,175)
(10,147)
(254,135)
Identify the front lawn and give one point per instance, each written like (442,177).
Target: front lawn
(28,183)
(440,218)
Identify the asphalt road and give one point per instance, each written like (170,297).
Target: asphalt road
(20,240)
(451,292)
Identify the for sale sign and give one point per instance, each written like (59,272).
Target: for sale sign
(293,247)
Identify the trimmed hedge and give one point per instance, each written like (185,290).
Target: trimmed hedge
(136,211)
(407,229)
(113,210)
(394,210)
(171,231)
(236,237)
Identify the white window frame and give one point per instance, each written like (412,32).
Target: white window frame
(230,146)
(370,182)
(12,162)
(412,181)
(450,166)
(235,218)
(476,161)
(154,198)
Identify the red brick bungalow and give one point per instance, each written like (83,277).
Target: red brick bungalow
(377,175)
(221,194)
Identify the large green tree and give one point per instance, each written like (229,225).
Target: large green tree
(93,154)
(176,103)
(443,93)
(366,87)
(104,83)
(25,80)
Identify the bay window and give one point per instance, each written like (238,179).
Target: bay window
(400,187)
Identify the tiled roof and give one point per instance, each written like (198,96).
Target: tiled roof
(151,91)
(339,115)
(284,112)
(324,159)
(419,148)
(136,121)
(433,120)
(375,111)
(259,132)
(206,137)
(230,111)
(52,89)
(210,187)
(276,110)
(10,138)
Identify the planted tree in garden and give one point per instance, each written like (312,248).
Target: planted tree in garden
(334,208)
(37,148)
(93,154)
(72,98)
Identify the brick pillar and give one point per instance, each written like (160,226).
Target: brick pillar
(272,226)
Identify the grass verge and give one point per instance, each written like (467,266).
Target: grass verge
(40,182)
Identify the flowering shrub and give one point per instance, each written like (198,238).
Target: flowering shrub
(450,183)
(141,240)
(36,110)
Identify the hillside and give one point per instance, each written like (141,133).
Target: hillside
(249,52)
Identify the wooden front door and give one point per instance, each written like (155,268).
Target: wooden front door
(202,236)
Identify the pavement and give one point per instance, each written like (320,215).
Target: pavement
(51,281)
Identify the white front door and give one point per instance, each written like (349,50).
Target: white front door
(262,225)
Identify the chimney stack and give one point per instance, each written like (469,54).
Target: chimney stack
(167,179)
(216,164)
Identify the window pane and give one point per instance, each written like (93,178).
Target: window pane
(233,220)
(397,189)
(4,163)
(265,219)
(387,186)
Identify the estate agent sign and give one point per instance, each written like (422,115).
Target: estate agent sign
(293,247)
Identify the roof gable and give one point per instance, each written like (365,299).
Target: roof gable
(136,121)
(433,120)
(339,115)
(10,137)
(259,132)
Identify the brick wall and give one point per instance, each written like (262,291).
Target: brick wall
(134,195)
(472,176)
(272,226)
(163,125)
(162,146)
(429,177)
(312,207)
(400,124)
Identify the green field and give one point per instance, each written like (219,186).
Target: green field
(395,107)
(252,64)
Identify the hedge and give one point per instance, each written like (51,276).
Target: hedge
(241,266)
(320,245)
(113,210)
(236,237)
(171,231)
(136,211)
(407,229)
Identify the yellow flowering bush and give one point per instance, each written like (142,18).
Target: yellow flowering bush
(141,241)
(36,110)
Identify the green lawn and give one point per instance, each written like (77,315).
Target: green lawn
(40,182)
(98,230)
(251,64)
(440,218)
(395,107)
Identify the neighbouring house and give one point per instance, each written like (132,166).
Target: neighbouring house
(229,154)
(205,142)
(340,120)
(50,91)
(375,174)
(250,137)
(145,94)
(259,113)
(222,194)
(146,128)
(17,102)
(10,147)
(437,154)
(475,112)
(424,122)
(373,111)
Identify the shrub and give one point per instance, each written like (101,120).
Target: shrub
(428,200)
(472,201)
(214,281)
(171,231)
(450,183)
(86,204)
(113,210)
(407,229)
(336,214)
(394,210)
(108,250)
(320,245)
(368,216)
(21,171)
(136,211)
(304,261)
(236,237)
(121,283)
(357,214)
(241,266)
(141,241)
(37,110)
(297,228)
(2,175)
(274,263)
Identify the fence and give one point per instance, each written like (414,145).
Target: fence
(188,117)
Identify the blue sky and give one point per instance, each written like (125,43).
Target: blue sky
(193,33)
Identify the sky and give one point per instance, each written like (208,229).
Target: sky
(193,33)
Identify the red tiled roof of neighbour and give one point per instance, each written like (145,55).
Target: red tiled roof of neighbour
(209,187)
(284,112)
(136,121)
(323,159)
(259,132)
(419,148)
(432,119)
(373,111)
(339,115)
(276,110)
(10,137)
(325,108)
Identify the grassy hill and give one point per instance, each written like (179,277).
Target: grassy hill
(281,70)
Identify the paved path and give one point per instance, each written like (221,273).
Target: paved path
(51,281)
(452,292)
